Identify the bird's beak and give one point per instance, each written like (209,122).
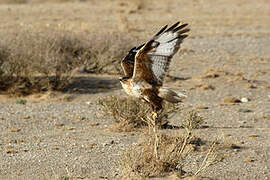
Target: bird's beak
(121,79)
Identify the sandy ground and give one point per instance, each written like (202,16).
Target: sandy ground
(58,135)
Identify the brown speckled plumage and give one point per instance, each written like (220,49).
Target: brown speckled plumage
(145,66)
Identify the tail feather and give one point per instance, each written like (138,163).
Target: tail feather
(170,96)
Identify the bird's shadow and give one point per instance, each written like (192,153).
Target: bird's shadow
(92,84)
(175,78)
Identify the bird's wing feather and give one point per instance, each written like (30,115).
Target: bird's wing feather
(153,59)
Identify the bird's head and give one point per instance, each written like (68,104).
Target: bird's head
(123,79)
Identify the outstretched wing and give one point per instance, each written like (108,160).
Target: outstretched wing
(128,62)
(153,59)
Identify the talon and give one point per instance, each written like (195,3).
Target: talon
(154,115)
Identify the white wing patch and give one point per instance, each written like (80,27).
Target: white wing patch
(160,66)
(168,43)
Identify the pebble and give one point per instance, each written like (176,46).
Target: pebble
(244,100)
(88,102)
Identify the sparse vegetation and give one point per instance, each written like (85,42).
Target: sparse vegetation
(141,161)
(107,50)
(131,114)
(39,61)
(192,121)
(227,52)
(32,61)
(158,154)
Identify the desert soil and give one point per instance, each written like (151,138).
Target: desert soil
(56,135)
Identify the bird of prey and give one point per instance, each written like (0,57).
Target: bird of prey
(146,65)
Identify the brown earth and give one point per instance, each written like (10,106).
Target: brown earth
(226,58)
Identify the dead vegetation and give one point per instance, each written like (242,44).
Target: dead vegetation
(158,154)
(38,61)
(132,114)
(107,50)
(192,121)
(32,61)
(141,161)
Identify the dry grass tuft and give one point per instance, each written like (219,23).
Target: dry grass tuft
(158,154)
(192,120)
(141,161)
(130,114)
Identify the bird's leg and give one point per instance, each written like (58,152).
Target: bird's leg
(153,118)
(154,126)
(154,115)
(153,129)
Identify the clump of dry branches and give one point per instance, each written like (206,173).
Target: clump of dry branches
(141,160)
(159,154)
(39,61)
(33,61)
(192,120)
(131,114)
(107,50)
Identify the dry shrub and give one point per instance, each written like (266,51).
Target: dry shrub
(192,120)
(38,61)
(131,114)
(140,161)
(32,61)
(108,49)
(158,154)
